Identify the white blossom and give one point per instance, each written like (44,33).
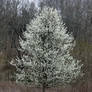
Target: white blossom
(48,61)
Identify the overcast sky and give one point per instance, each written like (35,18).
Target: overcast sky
(35,1)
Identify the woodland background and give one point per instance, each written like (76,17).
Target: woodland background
(77,16)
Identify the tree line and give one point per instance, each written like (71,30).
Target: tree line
(14,15)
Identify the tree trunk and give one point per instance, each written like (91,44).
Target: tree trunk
(43,89)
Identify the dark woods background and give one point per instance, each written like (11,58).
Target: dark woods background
(15,14)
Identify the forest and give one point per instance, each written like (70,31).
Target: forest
(15,15)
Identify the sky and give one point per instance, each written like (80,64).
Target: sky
(35,1)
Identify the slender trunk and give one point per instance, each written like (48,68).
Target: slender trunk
(43,89)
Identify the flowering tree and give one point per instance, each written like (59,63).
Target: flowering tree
(48,61)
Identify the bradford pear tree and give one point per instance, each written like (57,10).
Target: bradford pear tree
(47,61)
